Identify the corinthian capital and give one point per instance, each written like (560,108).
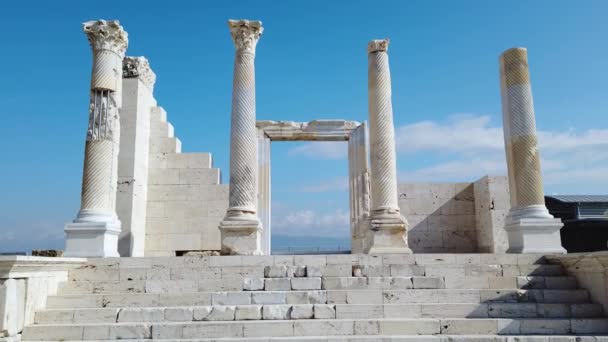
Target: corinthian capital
(106,35)
(138,67)
(377,45)
(245,34)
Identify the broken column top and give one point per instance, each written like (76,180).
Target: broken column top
(138,67)
(106,35)
(377,45)
(245,34)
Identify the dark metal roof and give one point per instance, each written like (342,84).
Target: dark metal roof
(580,198)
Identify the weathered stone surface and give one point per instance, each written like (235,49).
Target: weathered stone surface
(323,311)
(275,272)
(302,312)
(307,283)
(276,312)
(277,284)
(253,284)
(248,312)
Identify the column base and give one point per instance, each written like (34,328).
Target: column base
(92,239)
(387,235)
(533,230)
(241,237)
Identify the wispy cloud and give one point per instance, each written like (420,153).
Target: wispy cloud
(304,222)
(466,146)
(337,184)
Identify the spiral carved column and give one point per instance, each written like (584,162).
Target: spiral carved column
(530,227)
(95,230)
(241,228)
(388,228)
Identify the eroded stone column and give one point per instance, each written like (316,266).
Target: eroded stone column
(530,227)
(388,228)
(241,228)
(94,232)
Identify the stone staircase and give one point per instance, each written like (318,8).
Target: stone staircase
(423,297)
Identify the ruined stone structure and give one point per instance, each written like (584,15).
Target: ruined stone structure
(171,202)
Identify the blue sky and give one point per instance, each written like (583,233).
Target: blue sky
(311,64)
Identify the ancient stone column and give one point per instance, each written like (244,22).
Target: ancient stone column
(241,228)
(388,229)
(530,227)
(94,232)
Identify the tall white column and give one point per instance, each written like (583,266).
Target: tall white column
(94,232)
(241,228)
(388,228)
(530,227)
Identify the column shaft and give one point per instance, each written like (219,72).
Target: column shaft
(388,229)
(530,226)
(241,228)
(94,233)
(382,135)
(243,137)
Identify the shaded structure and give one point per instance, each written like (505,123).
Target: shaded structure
(585,219)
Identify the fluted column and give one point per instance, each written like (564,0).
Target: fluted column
(241,228)
(530,227)
(94,232)
(388,228)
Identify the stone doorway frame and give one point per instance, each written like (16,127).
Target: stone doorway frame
(318,130)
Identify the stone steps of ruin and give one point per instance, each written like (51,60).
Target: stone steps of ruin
(171,298)
(308,327)
(387,338)
(139,285)
(354,296)
(307,311)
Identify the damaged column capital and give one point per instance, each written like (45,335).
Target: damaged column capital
(94,232)
(388,228)
(530,227)
(241,229)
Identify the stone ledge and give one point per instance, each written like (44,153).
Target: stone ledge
(19,266)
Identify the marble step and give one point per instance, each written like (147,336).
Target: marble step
(338,311)
(91,272)
(315,283)
(337,327)
(387,338)
(321,260)
(424,296)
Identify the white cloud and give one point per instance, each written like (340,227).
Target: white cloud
(465,147)
(460,133)
(305,221)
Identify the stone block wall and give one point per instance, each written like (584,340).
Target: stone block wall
(132,187)
(492,204)
(590,270)
(441,216)
(185,200)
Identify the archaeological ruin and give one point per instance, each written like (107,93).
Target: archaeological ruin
(472,261)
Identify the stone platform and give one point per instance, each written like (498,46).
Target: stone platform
(420,297)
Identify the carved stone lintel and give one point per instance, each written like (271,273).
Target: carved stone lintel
(316,130)
(377,45)
(245,34)
(106,35)
(138,67)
